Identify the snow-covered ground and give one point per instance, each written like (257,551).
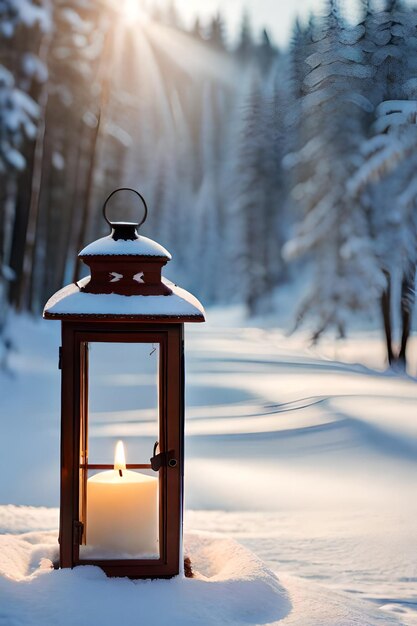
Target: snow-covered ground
(301,455)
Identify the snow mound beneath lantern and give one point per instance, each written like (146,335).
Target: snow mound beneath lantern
(231,586)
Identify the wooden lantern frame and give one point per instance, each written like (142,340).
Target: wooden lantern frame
(74,426)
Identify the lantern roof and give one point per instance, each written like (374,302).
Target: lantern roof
(73,302)
(126,282)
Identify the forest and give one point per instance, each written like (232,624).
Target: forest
(259,165)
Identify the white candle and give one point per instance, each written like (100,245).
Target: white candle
(122,512)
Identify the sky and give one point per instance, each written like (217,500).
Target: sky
(276,15)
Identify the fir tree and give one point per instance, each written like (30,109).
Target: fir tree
(245,44)
(333,232)
(21,27)
(196,30)
(385,181)
(386,185)
(260,196)
(266,52)
(215,32)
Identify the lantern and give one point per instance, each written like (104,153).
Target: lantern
(122,349)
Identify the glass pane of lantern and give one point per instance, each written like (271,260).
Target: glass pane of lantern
(119,506)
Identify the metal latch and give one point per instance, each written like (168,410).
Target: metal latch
(78,531)
(163,459)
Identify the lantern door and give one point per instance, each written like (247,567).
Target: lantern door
(122,485)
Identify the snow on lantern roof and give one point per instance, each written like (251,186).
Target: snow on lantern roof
(142,246)
(71,302)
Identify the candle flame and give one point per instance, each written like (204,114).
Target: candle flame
(119,457)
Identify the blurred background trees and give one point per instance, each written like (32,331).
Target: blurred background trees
(254,160)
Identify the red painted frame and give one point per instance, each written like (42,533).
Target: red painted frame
(74,405)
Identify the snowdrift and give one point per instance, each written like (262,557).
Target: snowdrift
(231,586)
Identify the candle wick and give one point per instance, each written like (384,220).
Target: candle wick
(120,472)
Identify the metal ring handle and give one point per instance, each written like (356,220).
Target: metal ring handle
(125,189)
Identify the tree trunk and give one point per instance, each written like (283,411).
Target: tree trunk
(7,207)
(407,304)
(386,316)
(105,74)
(29,255)
(85,218)
(20,224)
(74,165)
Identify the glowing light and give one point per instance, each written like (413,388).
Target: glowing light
(119,457)
(131,10)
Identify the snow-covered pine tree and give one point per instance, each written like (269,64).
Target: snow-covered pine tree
(18,110)
(18,117)
(277,216)
(215,32)
(298,132)
(299,50)
(245,46)
(333,232)
(384,184)
(205,218)
(260,194)
(266,52)
(22,24)
(179,213)
(161,195)
(196,30)
(71,54)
